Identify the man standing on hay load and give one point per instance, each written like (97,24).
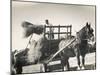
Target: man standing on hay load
(51,30)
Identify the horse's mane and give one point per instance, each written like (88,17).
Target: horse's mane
(82,34)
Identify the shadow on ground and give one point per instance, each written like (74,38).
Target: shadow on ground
(57,68)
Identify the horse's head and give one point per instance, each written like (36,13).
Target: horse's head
(89,31)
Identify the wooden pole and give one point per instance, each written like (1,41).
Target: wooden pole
(67,30)
(44,30)
(70,30)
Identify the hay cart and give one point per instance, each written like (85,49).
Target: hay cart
(53,51)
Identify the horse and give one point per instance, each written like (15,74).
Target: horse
(77,48)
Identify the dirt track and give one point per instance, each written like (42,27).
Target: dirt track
(55,65)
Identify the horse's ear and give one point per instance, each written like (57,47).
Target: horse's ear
(88,25)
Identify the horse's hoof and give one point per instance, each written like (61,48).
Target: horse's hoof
(78,68)
(66,69)
(82,68)
(42,68)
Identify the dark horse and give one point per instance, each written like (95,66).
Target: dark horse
(78,47)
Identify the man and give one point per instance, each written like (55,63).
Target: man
(51,30)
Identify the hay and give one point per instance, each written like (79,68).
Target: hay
(30,28)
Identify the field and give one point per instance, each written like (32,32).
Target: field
(55,65)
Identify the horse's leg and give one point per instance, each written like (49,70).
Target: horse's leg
(78,58)
(13,72)
(61,59)
(45,68)
(67,64)
(18,67)
(64,63)
(42,68)
(19,70)
(83,61)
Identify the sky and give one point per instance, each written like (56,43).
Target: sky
(36,13)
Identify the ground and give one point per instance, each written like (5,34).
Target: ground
(55,65)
